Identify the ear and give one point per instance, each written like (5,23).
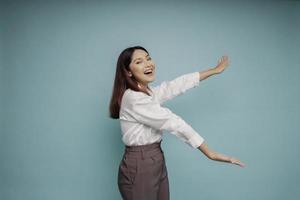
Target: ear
(129,74)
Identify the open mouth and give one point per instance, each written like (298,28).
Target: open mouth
(149,73)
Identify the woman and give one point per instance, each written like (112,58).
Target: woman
(142,171)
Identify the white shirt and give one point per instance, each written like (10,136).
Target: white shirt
(143,119)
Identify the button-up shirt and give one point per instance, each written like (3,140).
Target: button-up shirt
(143,118)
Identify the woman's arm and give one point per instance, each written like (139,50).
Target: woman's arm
(167,90)
(221,66)
(217,156)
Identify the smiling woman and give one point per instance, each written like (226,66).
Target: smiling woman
(142,171)
(131,68)
(142,68)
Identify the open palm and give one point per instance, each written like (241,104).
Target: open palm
(237,162)
(222,64)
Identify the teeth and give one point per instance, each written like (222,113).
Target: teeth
(148,71)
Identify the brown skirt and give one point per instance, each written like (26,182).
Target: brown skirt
(143,173)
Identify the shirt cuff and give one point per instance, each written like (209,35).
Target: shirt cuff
(196,140)
(195,78)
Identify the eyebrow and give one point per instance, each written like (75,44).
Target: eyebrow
(141,58)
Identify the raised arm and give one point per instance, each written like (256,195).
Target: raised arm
(220,67)
(169,89)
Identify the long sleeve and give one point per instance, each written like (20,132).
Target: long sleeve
(149,112)
(170,89)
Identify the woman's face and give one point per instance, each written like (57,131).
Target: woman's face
(142,67)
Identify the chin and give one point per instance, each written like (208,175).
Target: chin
(152,80)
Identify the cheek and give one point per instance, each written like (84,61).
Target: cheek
(136,70)
(139,74)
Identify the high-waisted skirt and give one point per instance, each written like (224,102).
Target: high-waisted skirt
(143,173)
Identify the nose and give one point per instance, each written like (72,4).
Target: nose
(149,64)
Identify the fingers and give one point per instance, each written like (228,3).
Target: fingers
(237,162)
(223,59)
(240,164)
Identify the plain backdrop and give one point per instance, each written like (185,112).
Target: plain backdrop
(58,61)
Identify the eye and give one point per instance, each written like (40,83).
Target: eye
(147,59)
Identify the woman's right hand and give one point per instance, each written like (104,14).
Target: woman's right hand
(218,156)
(236,162)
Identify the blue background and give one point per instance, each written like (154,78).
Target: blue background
(58,64)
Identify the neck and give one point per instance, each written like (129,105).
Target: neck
(143,85)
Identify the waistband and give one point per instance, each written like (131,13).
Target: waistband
(143,147)
(143,151)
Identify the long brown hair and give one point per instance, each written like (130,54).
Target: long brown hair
(123,81)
